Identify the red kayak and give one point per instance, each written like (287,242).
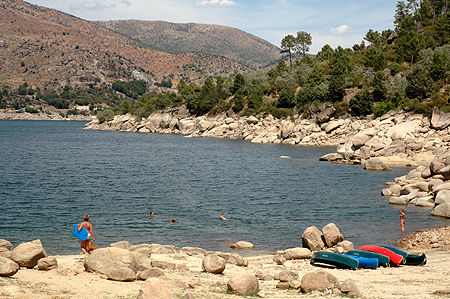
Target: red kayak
(394,257)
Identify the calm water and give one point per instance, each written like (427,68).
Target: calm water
(52,173)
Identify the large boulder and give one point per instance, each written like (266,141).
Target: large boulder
(212,263)
(442,196)
(332,235)
(111,260)
(6,248)
(439,119)
(243,283)
(27,254)
(154,288)
(297,253)
(375,164)
(319,280)
(442,210)
(8,267)
(312,239)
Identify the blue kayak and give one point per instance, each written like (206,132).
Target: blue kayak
(382,259)
(365,262)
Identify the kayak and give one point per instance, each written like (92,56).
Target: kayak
(382,259)
(395,259)
(334,259)
(409,259)
(365,262)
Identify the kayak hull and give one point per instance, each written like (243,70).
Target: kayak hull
(334,259)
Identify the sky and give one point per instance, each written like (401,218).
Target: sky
(336,23)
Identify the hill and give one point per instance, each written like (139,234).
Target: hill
(229,42)
(42,46)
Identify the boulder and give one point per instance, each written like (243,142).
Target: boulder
(279,259)
(252,120)
(27,254)
(332,157)
(312,239)
(398,200)
(287,275)
(8,267)
(266,276)
(326,114)
(364,152)
(297,253)
(163,265)
(154,288)
(107,260)
(47,263)
(242,245)
(442,196)
(442,210)
(150,273)
(212,263)
(6,248)
(349,287)
(243,283)
(375,164)
(439,119)
(346,245)
(332,234)
(121,274)
(237,260)
(319,280)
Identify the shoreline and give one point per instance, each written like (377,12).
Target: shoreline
(183,275)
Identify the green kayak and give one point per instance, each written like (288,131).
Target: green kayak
(334,259)
(408,259)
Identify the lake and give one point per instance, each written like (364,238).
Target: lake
(54,172)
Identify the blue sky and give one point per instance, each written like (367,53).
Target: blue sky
(337,23)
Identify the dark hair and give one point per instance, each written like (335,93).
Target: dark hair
(86,217)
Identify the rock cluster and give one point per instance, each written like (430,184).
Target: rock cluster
(330,237)
(27,254)
(438,238)
(394,138)
(425,186)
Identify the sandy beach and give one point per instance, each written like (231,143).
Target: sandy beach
(70,280)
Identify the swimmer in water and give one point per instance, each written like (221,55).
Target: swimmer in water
(223,218)
(173,221)
(151,214)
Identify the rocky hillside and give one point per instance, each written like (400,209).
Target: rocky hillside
(229,42)
(42,46)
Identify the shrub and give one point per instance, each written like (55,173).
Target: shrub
(105,115)
(31,110)
(362,103)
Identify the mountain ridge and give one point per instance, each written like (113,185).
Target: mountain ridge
(219,40)
(54,30)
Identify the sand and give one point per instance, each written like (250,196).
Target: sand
(70,281)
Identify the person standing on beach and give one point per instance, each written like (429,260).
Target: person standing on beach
(402,219)
(85,244)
